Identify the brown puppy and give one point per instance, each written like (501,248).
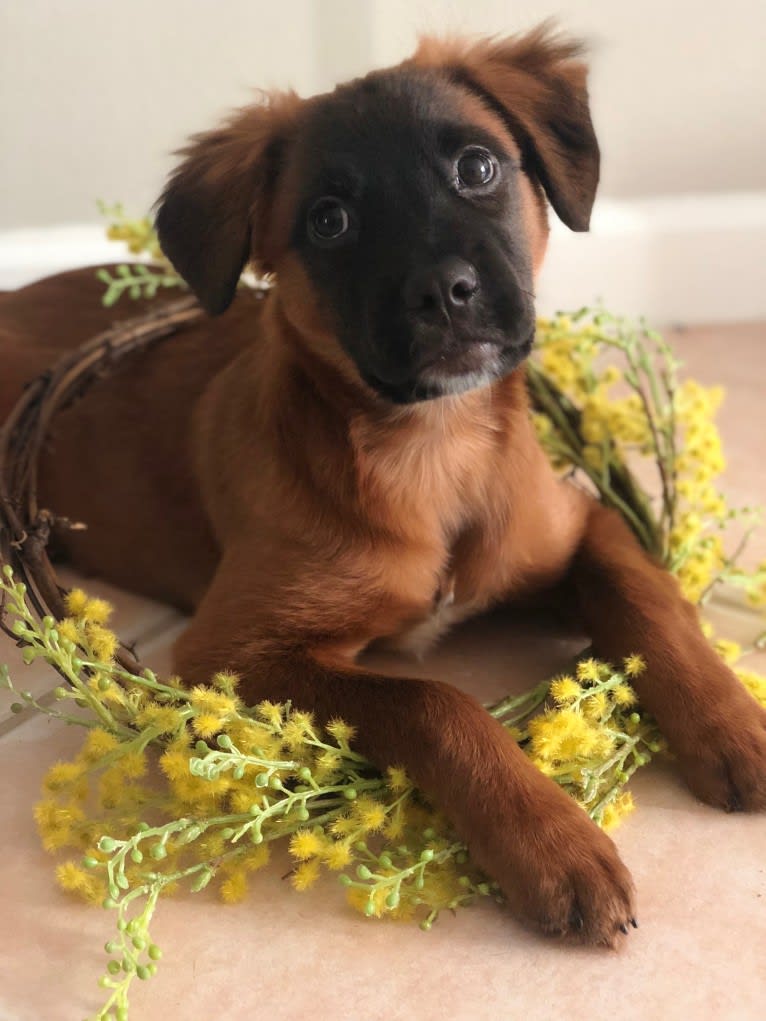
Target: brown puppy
(352,459)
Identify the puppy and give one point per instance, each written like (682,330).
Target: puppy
(352,458)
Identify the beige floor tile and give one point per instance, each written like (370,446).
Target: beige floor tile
(699,952)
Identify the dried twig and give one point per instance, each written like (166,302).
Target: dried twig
(25,527)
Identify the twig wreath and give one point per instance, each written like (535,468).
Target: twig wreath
(175,788)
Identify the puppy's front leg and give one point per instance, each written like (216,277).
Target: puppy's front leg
(631,605)
(555,866)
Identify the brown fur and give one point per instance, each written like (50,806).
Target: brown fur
(243,471)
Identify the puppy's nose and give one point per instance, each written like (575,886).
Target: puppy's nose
(444,288)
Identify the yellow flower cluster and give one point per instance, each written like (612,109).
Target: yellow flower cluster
(585,424)
(592,738)
(137,233)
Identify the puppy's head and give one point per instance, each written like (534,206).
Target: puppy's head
(403,213)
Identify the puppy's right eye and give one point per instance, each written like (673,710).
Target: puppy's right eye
(327,220)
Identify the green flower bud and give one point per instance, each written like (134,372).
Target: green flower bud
(304,773)
(90,863)
(261,780)
(275,782)
(29,655)
(142,827)
(138,942)
(238,772)
(199,883)
(107,845)
(429,834)
(154,952)
(109,903)
(369,909)
(420,883)
(17,707)
(137,856)
(113,967)
(59,693)
(158,852)
(224,741)
(19,628)
(385,861)
(427,854)
(426,924)
(392,900)
(111,947)
(363,872)
(104,684)
(128,965)
(228,832)
(8,571)
(48,622)
(465,881)
(461,858)
(350,794)
(345,880)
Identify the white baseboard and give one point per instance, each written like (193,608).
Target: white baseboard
(675,259)
(689,258)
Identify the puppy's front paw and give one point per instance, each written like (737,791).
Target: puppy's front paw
(561,872)
(724,758)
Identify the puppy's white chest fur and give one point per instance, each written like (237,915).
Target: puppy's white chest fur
(445,612)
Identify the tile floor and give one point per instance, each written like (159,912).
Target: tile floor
(700,952)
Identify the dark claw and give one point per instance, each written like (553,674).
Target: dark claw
(634,923)
(624,929)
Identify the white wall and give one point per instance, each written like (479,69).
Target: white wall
(94,94)
(678,86)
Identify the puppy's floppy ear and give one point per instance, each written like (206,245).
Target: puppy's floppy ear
(212,215)
(538,86)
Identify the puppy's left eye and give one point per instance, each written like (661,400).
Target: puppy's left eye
(476,168)
(328,220)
